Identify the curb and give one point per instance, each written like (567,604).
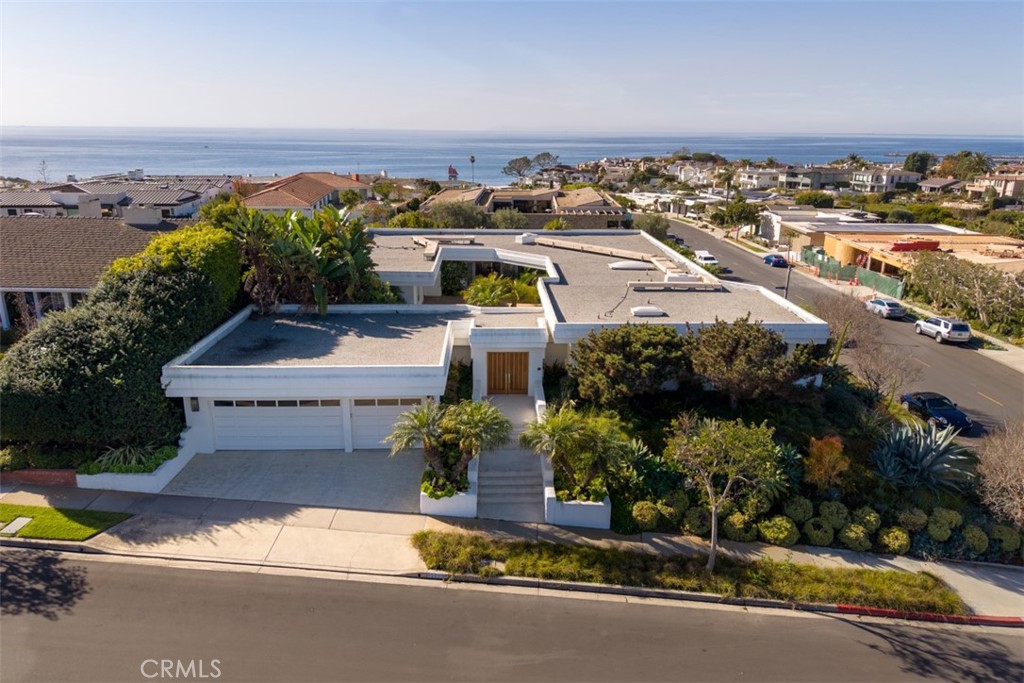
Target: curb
(687,596)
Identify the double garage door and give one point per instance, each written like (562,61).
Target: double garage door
(304,424)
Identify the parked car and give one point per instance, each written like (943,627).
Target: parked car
(944,329)
(704,258)
(776,261)
(937,409)
(885,308)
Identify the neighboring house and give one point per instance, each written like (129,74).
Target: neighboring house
(563,174)
(696,173)
(94,199)
(939,185)
(1004,183)
(584,208)
(306,192)
(814,177)
(341,381)
(893,253)
(50,263)
(778,219)
(757,178)
(883,179)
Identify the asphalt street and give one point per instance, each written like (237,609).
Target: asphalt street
(989,392)
(75,618)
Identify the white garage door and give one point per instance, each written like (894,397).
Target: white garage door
(373,419)
(263,425)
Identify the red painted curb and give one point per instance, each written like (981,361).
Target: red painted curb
(41,477)
(974,619)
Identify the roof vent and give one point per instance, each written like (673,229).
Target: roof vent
(631,265)
(647,312)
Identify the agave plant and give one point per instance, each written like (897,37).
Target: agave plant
(912,457)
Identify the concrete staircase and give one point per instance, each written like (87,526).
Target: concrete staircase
(510,486)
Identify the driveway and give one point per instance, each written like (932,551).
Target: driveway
(361,480)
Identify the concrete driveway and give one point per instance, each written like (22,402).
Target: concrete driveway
(361,480)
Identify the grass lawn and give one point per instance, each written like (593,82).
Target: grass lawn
(58,524)
(474,554)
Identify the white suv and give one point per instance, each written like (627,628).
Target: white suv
(944,330)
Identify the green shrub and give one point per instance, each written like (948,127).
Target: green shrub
(855,537)
(697,521)
(818,532)
(678,502)
(646,515)
(779,530)
(799,509)
(938,531)
(130,460)
(835,513)
(757,504)
(669,513)
(976,538)
(89,377)
(867,518)
(202,248)
(947,517)
(1008,538)
(912,519)
(738,527)
(894,540)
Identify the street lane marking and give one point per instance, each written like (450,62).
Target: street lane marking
(990,398)
(925,364)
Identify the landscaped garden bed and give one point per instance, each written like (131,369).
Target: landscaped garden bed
(459,553)
(60,524)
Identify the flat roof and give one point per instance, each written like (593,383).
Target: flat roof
(588,291)
(364,339)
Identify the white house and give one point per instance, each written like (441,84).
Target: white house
(339,382)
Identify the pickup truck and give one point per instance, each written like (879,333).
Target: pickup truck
(944,330)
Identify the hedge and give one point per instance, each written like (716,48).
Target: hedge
(89,377)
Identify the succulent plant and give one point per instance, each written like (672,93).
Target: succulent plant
(910,457)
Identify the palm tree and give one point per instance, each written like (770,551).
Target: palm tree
(255,235)
(421,425)
(771,162)
(474,427)
(854,160)
(726,176)
(606,445)
(472,167)
(557,436)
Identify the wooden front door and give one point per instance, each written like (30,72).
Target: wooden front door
(508,372)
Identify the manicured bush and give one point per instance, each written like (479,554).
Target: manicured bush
(779,530)
(646,515)
(1007,537)
(738,527)
(976,538)
(799,509)
(912,519)
(855,537)
(835,513)
(938,531)
(669,513)
(679,501)
(697,521)
(89,377)
(757,504)
(867,518)
(947,517)
(818,532)
(894,540)
(202,248)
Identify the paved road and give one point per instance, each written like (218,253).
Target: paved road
(73,618)
(987,391)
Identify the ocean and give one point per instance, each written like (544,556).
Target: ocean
(93,151)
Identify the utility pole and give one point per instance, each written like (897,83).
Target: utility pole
(789,272)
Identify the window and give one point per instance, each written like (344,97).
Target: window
(266,404)
(410,402)
(364,402)
(223,404)
(287,404)
(245,404)
(309,403)
(12,212)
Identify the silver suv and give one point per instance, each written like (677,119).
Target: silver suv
(944,330)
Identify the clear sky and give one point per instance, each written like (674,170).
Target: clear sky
(927,67)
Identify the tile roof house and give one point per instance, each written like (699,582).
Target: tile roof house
(96,199)
(53,262)
(584,208)
(305,192)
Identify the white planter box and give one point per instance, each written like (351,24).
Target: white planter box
(146,482)
(459,505)
(577,513)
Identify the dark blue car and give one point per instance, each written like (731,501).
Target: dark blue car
(775,261)
(937,409)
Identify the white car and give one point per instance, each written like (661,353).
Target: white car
(885,308)
(944,330)
(704,258)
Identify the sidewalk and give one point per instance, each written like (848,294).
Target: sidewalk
(360,542)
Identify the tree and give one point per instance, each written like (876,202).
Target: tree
(724,457)
(1001,467)
(555,435)
(816,198)
(456,215)
(349,198)
(900,216)
(44,171)
(422,426)
(557,224)
(613,365)
(508,219)
(222,210)
(383,190)
(472,167)
(474,427)
(519,167)
(654,225)
(919,162)
(726,177)
(742,359)
(545,160)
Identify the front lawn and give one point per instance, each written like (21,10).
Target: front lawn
(59,524)
(474,554)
